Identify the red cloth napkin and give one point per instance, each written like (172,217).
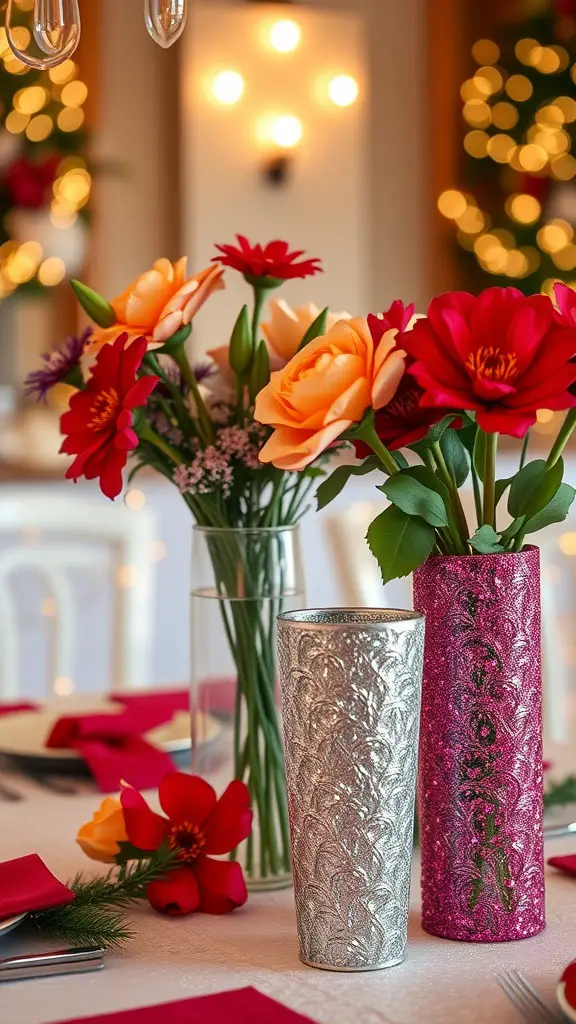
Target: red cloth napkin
(241,1006)
(569,979)
(566,864)
(26,884)
(113,746)
(10,709)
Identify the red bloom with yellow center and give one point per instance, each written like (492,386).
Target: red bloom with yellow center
(197,825)
(98,424)
(500,354)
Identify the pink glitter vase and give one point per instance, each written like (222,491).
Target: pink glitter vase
(480,786)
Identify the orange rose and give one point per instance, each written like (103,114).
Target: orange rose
(160,302)
(326,388)
(99,838)
(286,328)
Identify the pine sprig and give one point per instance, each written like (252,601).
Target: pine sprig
(559,794)
(95,917)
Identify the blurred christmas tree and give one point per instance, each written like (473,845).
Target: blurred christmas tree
(515,214)
(44,179)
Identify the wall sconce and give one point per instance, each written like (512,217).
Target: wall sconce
(282,133)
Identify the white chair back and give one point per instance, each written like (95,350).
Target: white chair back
(53,536)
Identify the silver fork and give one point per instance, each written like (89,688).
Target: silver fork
(526,1000)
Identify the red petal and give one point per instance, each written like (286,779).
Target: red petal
(222,886)
(186,798)
(140,391)
(231,820)
(144,828)
(504,421)
(111,473)
(175,895)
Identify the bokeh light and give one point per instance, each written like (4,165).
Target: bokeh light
(452,203)
(228,87)
(485,51)
(285,35)
(519,88)
(343,90)
(523,208)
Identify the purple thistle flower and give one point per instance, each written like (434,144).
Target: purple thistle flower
(57,366)
(202,371)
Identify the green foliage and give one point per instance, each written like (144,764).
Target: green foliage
(479,454)
(399,542)
(96,306)
(336,482)
(501,487)
(95,917)
(176,340)
(316,329)
(415,491)
(240,352)
(555,511)
(433,435)
(534,487)
(486,541)
(456,456)
(558,794)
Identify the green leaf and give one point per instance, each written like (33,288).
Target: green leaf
(534,487)
(467,434)
(479,454)
(554,512)
(316,329)
(500,487)
(456,456)
(415,497)
(259,371)
(336,482)
(433,435)
(95,305)
(399,542)
(514,528)
(400,459)
(486,541)
(240,352)
(129,852)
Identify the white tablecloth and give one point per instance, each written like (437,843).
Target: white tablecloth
(439,983)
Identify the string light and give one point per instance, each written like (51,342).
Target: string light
(472,221)
(477,113)
(52,271)
(504,115)
(71,119)
(525,48)
(555,235)
(492,76)
(452,203)
(476,143)
(30,100)
(532,157)
(523,208)
(74,94)
(563,168)
(567,106)
(39,128)
(501,148)
(486,51)
(519,88)
(566,258)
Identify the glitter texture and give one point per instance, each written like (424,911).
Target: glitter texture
(480,790)
(351,682)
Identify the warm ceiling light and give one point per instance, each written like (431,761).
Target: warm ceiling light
(286,131)
(343,90)
(285,35)
(228,87)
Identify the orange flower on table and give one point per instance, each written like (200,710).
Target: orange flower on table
(159,303)
(326,388)
(100,837)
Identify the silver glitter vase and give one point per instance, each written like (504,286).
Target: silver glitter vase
(351,683)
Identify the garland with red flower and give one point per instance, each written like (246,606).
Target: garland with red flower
(45,181)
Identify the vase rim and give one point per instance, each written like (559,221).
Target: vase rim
(290,528)
(343,618)
(528,549)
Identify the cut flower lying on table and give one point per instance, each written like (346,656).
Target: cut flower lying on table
(197,829)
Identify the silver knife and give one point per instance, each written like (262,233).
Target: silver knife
(555,831)
(61,961)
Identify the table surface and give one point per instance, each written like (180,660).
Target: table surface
(440,982)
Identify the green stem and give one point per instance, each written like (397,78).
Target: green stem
(205,423)
(458,527)
(146,433)
(477,495)
(386,457)
(524,451)
(489,509)
(561,441)
(259,300)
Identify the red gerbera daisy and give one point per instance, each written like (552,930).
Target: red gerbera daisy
(197,825)
(266,266)
(98,423)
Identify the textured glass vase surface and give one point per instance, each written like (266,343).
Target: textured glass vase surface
(480,792)
(241,581)
(351,681)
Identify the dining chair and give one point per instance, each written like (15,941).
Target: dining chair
(54,536)
(360,584)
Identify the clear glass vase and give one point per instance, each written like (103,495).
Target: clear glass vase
(242,579)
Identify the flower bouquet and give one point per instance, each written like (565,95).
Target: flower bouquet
(442,388)
(138,392)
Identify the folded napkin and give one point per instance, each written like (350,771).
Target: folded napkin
(241,1006)
(569,979)
(566,864)
(26,884)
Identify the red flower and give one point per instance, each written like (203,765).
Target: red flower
(501,353)
(99,420)
(272,263)
(403,420)
(197,825)
(29,183)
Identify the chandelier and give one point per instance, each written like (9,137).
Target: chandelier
(56,28)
